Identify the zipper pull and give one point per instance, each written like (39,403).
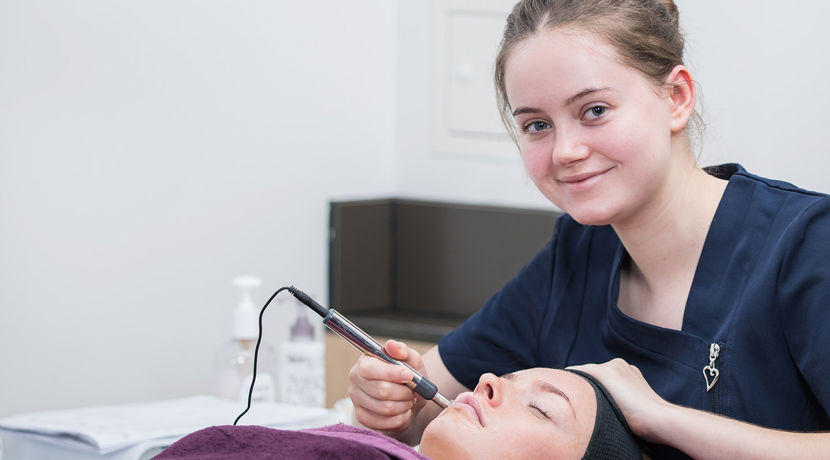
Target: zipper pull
(710,371)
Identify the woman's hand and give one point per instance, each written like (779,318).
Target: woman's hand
(640,405)
(701,435)
(378,390)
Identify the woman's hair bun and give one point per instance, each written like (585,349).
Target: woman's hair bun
(671,8)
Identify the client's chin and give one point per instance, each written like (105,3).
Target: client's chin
(441,441)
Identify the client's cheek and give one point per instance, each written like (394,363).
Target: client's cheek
(522,441)
(555,444)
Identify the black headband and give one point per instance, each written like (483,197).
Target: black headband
(612,438)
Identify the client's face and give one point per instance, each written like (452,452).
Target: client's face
(534,413)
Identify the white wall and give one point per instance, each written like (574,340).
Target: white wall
(152,150)
(427,171)
(761,66)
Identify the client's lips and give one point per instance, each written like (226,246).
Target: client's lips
(468,402)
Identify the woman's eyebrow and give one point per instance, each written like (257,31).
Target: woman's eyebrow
(583,93)
(523,110)
(551,388)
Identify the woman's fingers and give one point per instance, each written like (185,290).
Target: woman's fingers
(381,380)
(378,406)
(388,423)
(639,403)
(373,369)
(401,352)
(611,372)
(378,390)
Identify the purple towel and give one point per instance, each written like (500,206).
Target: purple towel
(256,442)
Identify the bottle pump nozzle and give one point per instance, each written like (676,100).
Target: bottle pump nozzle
(245,320)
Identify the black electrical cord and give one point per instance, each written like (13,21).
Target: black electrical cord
(356,337)
(256,351)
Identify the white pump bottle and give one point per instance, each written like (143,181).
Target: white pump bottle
(302,363)
(234,361)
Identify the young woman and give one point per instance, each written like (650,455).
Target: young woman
(706,292)
(534,413)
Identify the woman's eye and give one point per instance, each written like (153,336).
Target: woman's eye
(595,112)
(541,411)
(535,126)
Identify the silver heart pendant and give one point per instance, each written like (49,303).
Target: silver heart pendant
(710,372)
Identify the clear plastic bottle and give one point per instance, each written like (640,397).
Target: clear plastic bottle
(234,360)
(302,364)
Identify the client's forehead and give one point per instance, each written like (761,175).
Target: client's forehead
(546,373)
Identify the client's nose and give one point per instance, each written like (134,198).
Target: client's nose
(491,388)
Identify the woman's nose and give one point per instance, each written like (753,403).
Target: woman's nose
(492,388)
(568,148)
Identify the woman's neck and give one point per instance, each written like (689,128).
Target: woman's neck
(664,242)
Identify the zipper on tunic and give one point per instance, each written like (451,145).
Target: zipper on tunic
(710,372)
(711,375)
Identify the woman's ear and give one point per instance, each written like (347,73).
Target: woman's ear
(681,97)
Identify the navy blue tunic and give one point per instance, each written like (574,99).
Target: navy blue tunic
(761,292)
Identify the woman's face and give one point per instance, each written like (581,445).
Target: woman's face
(534,413)
(594,133)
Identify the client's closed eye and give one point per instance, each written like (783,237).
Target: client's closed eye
(539,410)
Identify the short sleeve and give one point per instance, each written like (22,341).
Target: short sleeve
(804,290)
(502,335)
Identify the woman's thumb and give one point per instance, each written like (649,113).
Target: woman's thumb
(396,350)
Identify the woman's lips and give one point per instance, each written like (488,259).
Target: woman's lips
(468,403)
(583,181)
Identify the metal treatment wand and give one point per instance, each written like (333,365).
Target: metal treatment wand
(341,326)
